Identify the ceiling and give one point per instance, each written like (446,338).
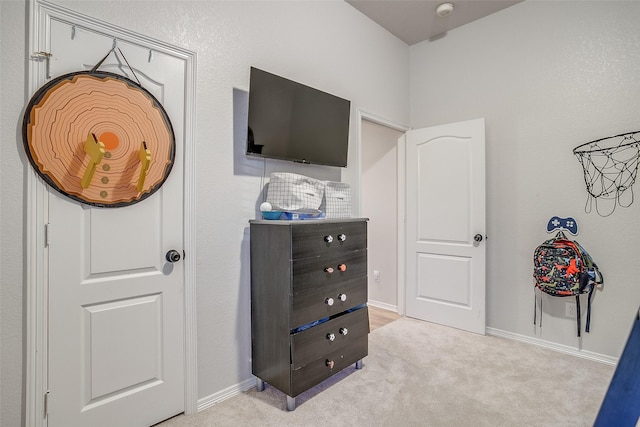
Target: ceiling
(413,21)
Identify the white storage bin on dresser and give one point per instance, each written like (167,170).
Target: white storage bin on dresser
(336,202)
(309,318)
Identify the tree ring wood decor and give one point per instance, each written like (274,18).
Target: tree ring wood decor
(99,138)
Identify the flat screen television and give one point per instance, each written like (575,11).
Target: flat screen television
(291,121)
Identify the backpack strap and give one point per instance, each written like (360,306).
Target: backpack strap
(588,322)
(535,305)
(541,299)
(578,313)
(589,309)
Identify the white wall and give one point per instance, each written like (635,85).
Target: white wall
(547,76)
(12,214)
(325,44)
(379,186)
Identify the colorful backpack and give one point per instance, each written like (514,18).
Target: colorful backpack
(561,267)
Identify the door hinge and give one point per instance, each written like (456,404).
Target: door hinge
(46,403)
(47,235)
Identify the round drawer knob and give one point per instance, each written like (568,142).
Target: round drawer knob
(328,238)
(344,331)
(342,237)
(329,301)
(330,363)
(342,297)
(342,267)
(328,270)
(331,336)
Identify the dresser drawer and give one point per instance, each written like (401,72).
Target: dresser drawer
(321,271)
(310,240)
(327,337)
(311,374)
(313,305)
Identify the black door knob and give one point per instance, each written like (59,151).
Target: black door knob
(173,256)
(478,237)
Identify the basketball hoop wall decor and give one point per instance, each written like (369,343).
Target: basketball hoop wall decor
(99,138)
(610,166)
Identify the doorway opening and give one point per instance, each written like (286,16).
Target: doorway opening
(379,177)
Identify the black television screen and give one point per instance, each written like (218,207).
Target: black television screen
(291,121)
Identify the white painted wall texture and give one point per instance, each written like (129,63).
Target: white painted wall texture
(325,44)
(547,76)
(12,215)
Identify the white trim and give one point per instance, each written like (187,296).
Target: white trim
(36,255)
(358,172)
(402,221)
(374,118)
(584,354)
(190,295)
(40,13)
(35,304)
(383,305)
(227,393)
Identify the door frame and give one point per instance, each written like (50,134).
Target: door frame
(36,254)
(373,118)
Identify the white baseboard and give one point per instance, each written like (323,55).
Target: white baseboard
(383,305)
(596,357)
(209,401)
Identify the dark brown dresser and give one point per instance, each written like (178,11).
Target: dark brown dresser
(309,318)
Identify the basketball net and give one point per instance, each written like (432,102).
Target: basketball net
(610,166)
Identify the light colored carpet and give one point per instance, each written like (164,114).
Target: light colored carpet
(422,374)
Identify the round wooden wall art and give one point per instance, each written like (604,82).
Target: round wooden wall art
(99,138)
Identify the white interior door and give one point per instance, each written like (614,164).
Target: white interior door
(445,225)
(116,305)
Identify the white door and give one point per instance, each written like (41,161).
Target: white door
(116,305)
(445,225)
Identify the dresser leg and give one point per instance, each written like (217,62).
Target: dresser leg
(259,384)
(359,364)
(291,403)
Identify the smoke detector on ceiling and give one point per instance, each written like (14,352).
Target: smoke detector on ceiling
(444,9)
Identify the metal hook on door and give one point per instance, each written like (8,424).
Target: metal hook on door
(73,32)
(43,56)
(150,55)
